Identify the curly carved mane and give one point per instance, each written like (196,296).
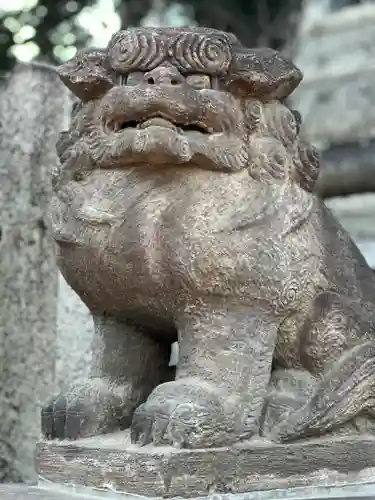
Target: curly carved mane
(279,152)
(279,156)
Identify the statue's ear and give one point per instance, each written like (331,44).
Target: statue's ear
(86,75)
(263,73)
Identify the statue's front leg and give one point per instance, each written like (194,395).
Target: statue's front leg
(126,366)
(221,381)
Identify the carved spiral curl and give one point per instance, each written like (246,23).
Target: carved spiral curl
(129,50)
(197,52)
(290,291)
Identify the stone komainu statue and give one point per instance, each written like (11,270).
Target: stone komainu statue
(183,209)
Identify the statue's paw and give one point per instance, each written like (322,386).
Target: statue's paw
(185,414)
(86,409)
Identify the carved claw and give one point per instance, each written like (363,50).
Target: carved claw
(182,416)
(86,409)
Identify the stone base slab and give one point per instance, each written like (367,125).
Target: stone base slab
(112,462)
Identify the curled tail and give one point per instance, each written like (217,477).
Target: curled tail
(346,390)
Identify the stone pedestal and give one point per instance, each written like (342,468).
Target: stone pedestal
(111,462)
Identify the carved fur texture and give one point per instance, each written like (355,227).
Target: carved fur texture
(184,209)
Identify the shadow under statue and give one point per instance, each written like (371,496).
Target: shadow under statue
(184,210)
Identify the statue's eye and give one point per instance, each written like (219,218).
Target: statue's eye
(199,81)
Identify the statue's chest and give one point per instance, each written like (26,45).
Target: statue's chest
(162,239)
(157,230)
(149,209)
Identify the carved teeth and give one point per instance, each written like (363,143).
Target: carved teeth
(157,122)
(161,122)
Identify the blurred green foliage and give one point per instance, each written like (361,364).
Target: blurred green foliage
(51,29)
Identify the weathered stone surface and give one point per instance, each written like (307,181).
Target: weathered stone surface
(112,462)
(32,106)
(184,209)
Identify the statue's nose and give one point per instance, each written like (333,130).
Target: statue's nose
(164,75)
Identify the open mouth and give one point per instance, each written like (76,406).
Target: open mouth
(158,121)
